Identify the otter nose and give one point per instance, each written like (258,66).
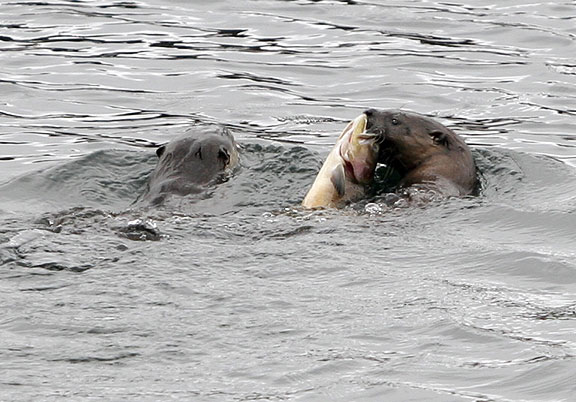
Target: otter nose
(224,155)
(370,116)
(370,112)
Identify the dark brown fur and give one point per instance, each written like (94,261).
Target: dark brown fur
(426,154)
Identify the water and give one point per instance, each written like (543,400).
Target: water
(244,296)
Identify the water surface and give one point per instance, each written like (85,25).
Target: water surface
(243,295)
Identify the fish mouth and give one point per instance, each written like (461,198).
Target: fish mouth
(359,151)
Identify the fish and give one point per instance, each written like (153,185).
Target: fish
(348,169)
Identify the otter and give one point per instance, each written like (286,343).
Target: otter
(427,155)
(190,163)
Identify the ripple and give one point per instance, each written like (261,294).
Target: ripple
(463,299)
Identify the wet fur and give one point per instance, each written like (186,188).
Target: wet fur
(426,154)
(189,163)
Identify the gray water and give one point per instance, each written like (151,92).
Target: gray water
(240,294)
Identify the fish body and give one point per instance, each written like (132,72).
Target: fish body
(347,170)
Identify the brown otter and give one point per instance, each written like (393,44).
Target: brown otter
(427,155)
(190,163)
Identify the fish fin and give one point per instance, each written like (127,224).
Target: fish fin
(338,179)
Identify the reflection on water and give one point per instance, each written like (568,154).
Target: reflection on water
(244,295)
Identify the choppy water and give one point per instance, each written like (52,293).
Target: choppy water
(243,296)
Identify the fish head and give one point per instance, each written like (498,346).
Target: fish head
(359,151)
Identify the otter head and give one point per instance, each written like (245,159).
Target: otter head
(189,163)
(421,149)
(198,156)
(407,139)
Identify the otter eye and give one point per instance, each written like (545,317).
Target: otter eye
(395,122)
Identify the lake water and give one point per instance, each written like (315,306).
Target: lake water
(242,295)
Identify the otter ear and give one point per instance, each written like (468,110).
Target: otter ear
(439,137)
(160,151)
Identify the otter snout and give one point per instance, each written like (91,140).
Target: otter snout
(376,122)
(224,156)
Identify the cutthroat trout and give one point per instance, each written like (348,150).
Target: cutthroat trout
(347,170)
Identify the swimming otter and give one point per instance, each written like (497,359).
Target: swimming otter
(427,155)
(191,162)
